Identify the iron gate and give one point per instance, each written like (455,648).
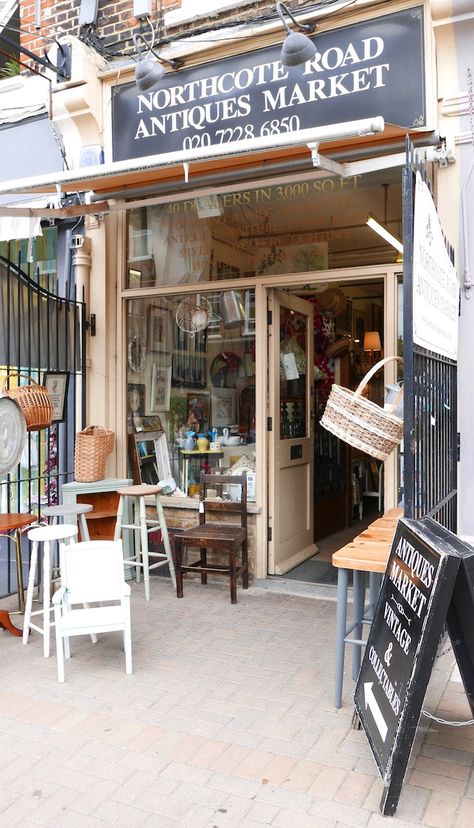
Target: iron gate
(40,331)
(430,397)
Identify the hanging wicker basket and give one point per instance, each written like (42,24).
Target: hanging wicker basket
(362,423)
(34,401)
(93,445)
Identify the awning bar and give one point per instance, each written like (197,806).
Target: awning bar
(83,179)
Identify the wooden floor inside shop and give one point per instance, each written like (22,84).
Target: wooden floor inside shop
(319,569)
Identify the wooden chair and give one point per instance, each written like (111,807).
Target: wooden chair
(91,572)
(220,538)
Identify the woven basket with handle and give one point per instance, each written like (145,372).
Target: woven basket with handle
(34,401)
(93,444)
(362,423)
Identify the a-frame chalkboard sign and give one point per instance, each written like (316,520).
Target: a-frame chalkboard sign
(429,582)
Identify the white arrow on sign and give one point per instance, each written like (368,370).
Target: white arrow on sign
(371,701)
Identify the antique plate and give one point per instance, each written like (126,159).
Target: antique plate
(12,434)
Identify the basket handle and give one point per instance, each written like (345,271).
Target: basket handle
(17,374)
(365,380)
(90,428)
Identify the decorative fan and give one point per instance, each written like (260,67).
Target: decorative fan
(12,434)
(194,314)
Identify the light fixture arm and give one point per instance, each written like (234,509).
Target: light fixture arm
(62,70)
(305,27)
(175,63)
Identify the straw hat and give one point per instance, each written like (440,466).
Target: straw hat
(332,300)
(339,347)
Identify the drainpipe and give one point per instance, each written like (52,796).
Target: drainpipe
(81,262)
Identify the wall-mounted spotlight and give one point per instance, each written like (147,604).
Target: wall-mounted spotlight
(297,48)
(148,73)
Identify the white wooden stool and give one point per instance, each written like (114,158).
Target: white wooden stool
(44,535)
(142,527)
(60,513)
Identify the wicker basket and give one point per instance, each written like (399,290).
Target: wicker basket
(93,444)
(362,423)
(34,401)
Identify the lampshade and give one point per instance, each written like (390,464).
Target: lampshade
(372,341)
(148,73)
(297,49)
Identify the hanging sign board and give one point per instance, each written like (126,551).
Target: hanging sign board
(371,68)
(435,281)
(402,644)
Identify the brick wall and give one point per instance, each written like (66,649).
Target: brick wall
(115,21)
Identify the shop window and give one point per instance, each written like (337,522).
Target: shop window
(296,227)
(191,375)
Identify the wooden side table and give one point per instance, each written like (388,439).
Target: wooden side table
(15,522)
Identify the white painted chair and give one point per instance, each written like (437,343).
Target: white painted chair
(91,572)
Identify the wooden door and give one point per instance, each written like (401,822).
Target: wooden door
(291,450)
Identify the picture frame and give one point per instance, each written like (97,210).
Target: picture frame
(182,342)
(177,416)
(160,388)
(57,384)
(224,407)
(158,328)
(135,403)
(188,371)
(199,405)
(249,324)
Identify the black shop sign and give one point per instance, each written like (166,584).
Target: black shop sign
(428,583)
(368,69)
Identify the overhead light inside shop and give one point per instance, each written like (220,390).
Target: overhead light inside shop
(384,233)
(297,48)
(148,73)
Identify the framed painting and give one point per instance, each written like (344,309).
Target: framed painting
(198,405)
(224,407)
(57,384)
(160,388)
(159,328)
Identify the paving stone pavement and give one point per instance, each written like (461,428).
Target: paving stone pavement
(228,720)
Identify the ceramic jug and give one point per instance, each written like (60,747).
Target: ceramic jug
(189,441)
(202,443)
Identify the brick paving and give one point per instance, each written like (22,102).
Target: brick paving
(227,720)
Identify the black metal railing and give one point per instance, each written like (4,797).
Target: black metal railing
(39,331)
(430,395)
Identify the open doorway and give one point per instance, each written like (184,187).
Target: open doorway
(347,334)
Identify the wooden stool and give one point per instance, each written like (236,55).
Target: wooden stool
(142,526)
(44,535)
(15,522)
(368,552)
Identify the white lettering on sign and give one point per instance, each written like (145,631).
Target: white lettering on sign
(414,597)
(420,568)
(194,106)
(371,703)
(390,693)
(435,281)
(395,625)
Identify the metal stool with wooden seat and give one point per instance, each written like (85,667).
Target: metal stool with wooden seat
(142,526)
(220,538)
(368,552)
(15,522)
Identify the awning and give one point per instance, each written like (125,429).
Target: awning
(194,165)
(28,147)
